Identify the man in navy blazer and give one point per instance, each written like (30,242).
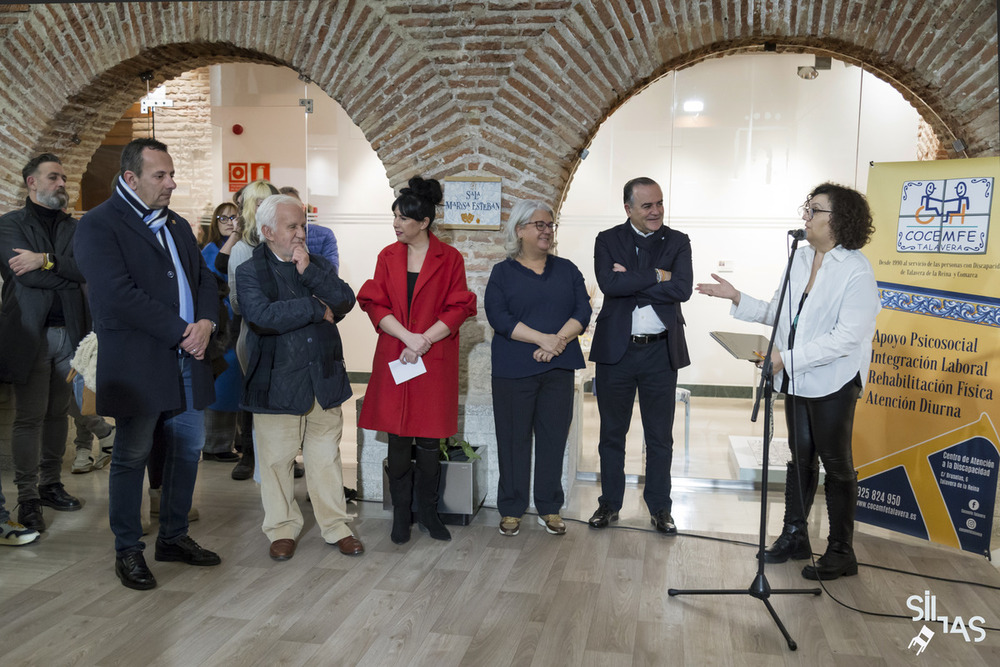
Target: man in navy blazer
(154,306)
(644,270)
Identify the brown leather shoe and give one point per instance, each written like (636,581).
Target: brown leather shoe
(282,549)
(351,546)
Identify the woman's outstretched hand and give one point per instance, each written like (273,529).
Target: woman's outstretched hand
(721,288)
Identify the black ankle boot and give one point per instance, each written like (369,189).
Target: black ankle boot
(244,468)
(428,479)
(792,543)
(839,559)
(401,491)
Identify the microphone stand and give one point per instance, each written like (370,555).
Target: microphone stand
(760,588)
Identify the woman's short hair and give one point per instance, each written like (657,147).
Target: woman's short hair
(252,194)
(214,236)
(851,219)
(268,211)
(419,200)
(520,215)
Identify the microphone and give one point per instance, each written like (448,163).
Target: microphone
(797,234)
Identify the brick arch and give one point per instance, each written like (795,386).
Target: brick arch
(439,87)
(375,75)
(941,57)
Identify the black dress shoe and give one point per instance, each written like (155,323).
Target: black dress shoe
(29,515)
(133,572)
(223,457)
(187,551)
(300,470)
(55,496)
(663,522)
(243,469)
(603,516)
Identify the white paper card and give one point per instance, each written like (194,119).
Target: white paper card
(402,372)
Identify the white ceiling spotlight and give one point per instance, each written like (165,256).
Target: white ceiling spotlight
(810,72)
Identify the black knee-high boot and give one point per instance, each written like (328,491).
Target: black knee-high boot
(794,539)
(399,470)
(839,559)
(428,479)
(401,491)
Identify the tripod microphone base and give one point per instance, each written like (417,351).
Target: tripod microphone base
(761,590)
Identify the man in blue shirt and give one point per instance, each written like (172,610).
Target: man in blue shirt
(320,240)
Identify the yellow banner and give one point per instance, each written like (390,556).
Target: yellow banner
(925,442)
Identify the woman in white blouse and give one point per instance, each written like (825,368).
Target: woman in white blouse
(820,360)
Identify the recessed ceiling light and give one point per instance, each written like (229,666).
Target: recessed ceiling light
(694,106)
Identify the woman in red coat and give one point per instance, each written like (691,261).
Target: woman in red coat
(417,301)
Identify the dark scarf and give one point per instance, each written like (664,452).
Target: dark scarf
(647,246)
(261,361)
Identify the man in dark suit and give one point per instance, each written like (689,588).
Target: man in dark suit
(42,320)
(155,307)
(644,271)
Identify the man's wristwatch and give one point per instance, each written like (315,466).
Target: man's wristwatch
(47,266)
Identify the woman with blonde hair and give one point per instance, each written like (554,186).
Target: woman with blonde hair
(250,200)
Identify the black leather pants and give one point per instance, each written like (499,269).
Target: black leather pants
(820,428)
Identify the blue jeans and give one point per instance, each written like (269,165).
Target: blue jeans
(184,432)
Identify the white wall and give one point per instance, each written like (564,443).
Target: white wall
(734,174)
(324,155)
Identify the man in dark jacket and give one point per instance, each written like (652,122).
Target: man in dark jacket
(155,307)
(295,378)
(644,270)
(42,319)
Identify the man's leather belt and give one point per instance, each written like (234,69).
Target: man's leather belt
(642,339)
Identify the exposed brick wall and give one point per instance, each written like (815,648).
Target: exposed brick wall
(443,87)
(186,129)
(447,88)
(928,145)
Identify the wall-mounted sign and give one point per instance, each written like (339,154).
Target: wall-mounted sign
(260,171)
(237,175)
(472,202)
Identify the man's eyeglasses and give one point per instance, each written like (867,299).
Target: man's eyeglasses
(226,218)
(809,211)
(542,226)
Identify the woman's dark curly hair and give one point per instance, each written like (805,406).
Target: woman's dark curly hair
(419,200)
(851,220)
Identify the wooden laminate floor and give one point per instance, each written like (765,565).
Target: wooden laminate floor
(587,598)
